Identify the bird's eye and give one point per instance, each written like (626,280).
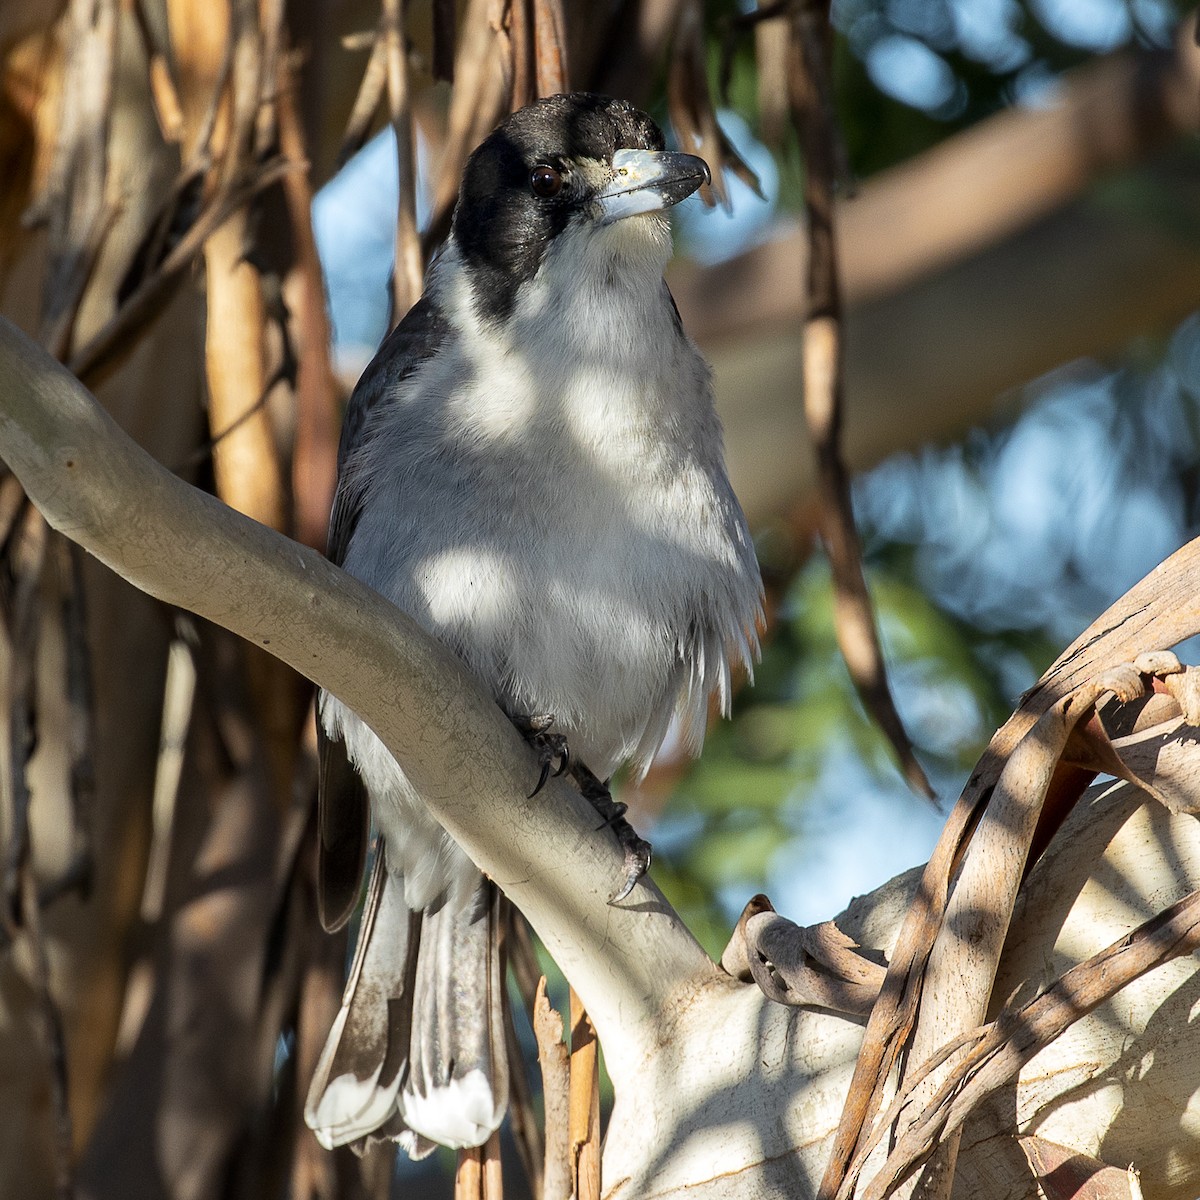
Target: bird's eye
(545,181)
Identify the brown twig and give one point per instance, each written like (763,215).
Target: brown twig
(54,1037)
(83,717)
(366,102)
(522,959)
(164,91)
(690,106)
(526,1130)
(107,348)
(584,1107)
(479,100)
(245,46)
(516,29)
(408,270)
(271,74)
(27,557)
(478,1173)
(75,202)
(625,44)
(556,1087)
(314,449)
(550,47)
(521,962)
(811,99)
(22,908)
(444,31)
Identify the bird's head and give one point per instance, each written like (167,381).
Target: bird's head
(580,165)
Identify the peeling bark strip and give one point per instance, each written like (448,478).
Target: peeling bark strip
(691,109)
(555,1067)
(1004,1046)
(1162,609)
(813,115)
(75,204)
(584,1114)
(480,98)
(795,965)
(550,47)
(1065,1174)
(408,269)
(21,915)
(960,939)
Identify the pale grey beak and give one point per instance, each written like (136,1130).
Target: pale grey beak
(649,180)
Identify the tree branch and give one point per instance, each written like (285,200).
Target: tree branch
(188,549)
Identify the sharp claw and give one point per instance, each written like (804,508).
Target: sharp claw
(631,879)
(542,777)
(552,749)
(637,864)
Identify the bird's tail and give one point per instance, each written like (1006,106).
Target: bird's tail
(417,1052)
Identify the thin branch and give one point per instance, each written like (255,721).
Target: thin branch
(526,1130)
(690,106)
(521,961)
(314,450)
(271,72)
(556,1086)
(550,47)
(245,88)
(444,39)
(480,98)
(190,550)
(21,903)
(516,33)
(75,203)
(28,558)
(583,1120)
(366,102)
(82,738)
(823,371)
(54,1037)
(164,91)
(106,349)
(478,1174)
(408,269)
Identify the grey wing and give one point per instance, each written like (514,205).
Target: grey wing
(415,340)
(343,829)
(343,815)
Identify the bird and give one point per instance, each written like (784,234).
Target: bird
(532,468)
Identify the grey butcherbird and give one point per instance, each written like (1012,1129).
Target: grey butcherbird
(532,468)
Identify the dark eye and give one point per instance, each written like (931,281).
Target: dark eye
(545,181)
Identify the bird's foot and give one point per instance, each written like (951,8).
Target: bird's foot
(637,850)
(551,748)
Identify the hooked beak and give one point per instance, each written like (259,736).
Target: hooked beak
(648,181)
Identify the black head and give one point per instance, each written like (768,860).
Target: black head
(546,165)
